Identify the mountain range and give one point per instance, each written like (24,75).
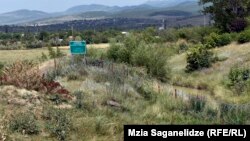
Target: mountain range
(150,9)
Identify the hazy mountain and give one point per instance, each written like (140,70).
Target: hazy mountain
(91,8)
(21,16)
(167,3)
(150,9)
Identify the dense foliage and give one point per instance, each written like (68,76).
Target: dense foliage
(14,41)
(244,36)
(229,15)
(199,57)
(138,51)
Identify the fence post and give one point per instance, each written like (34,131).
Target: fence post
(159,88)
(175,93)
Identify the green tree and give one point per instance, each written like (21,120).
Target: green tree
(229,15)
(52,53)
(43,36)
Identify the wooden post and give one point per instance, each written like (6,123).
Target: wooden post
(55,66)
(159,88)
(112,67)
(175,93)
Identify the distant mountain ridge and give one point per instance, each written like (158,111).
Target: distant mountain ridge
(20,16)
(147,10)
(167,3)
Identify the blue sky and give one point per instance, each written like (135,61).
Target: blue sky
(58,5)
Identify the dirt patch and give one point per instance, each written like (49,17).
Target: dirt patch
(20,97)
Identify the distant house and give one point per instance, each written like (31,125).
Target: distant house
(125,33)
(71,37)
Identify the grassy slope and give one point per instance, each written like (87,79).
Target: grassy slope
(98,121)
(212,78)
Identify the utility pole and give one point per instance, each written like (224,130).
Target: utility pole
(204,20)
(72,30)
(204,16)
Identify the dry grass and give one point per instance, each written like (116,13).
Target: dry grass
(10,56)
(212,78)
(97,46)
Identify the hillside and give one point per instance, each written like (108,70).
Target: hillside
(21,16)
(212,78)
(182,8)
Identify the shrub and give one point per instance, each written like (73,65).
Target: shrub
(59,52)
(140,56)
(232,114)
(212,40)
(58,123)
(197,104)
(238,79)
(199,57)
(237,25)
(152,57)
(96,53)
(244,37)
(52,53)
(24,123)
(113,51)
(124,55)
(169,35)
(79,99)
(24,74)
(34,44)
(17,73)
(44,57)
(183,47)
(157,65)
(146,92)
(73,76)
(224,39)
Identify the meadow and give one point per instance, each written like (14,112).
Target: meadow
(10,56)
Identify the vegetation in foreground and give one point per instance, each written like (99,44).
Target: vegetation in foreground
(142,78)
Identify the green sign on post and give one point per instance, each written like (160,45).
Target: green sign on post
(78,47)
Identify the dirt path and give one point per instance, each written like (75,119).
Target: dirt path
(97,46)
(45,66)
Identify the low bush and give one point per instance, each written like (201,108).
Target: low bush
(183,47)
(140,56)
(197,104)
(58,123)
(11,46)
(44,57)
(17,73)
(79,99)
(113,51)
(199,57)
(232,114)
(152,57)
(244,37)
(224,39)
(157,65)
(24,123)
(216,40)
(34,44)
(212,40)
(238,79)
(73,76)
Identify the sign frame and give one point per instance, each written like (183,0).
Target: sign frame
(78,47)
